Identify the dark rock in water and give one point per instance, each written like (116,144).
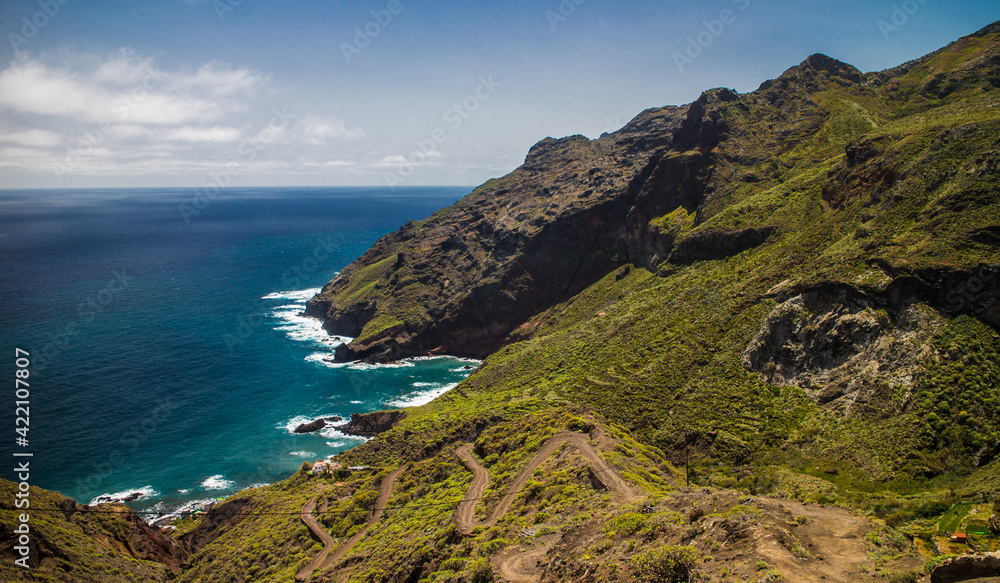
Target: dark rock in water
(467,367)
(310,427)
(132,497)
(371,424)
(334,419)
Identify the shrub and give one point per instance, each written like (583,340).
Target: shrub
(625,525)
(669,564)
(453,564)
(741,512)
(904,577)
(495,545)
(366,499)
(578,425)
(480,572)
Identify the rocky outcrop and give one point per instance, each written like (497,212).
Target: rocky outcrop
(966,568)
(715,244)
(150,544)
(75,542)
(316,425)
(842,347)
(859,346)
(372,424)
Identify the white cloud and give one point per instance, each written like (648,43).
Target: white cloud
(126,87)
(318,130)
(130,131)
(391,161)
(37,138)
(196,134)
(218,80)
(125,114)
(125,69)
(31,87)
(80,118)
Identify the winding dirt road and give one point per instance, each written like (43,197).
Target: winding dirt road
(523,567)
(331,553)
(465,515)
(317,530)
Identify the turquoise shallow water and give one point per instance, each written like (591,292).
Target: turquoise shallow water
(168,356)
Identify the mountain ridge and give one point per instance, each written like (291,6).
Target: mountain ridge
(679,153)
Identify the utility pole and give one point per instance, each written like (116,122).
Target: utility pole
(687,461)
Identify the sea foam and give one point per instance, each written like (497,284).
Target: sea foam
(303,295)
(217,482)
(289,319)
(417,398)
(145,493)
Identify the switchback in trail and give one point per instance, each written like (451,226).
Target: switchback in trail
(465,515)
(331,553)
(516,567)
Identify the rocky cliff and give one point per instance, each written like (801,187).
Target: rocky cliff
(671,189)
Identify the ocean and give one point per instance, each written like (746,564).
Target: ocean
(168,360)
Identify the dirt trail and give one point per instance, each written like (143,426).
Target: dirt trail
(465,515)
(331,553)
(319,532)
(836,535)
(523,567)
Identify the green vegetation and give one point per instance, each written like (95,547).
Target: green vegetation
(669,564)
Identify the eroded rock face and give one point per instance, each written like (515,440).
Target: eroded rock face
(371,424)
(967,567)
(842,348)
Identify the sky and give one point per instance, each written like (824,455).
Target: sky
(173,93)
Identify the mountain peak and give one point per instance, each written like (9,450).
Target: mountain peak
(821,62)
(815,71)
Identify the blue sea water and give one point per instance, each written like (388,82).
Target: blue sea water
(168,356)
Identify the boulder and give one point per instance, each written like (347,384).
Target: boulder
(311,426)
(967,567)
